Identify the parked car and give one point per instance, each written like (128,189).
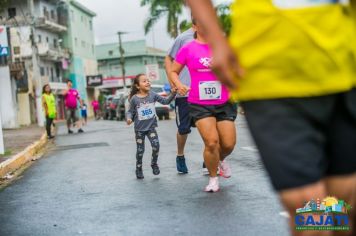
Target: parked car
(162,111)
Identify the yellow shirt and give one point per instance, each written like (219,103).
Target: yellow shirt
(50,101)
(295,51)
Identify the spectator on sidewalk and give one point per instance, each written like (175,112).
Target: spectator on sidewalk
(72,98)
(96,108)
(49,106)
(84,113)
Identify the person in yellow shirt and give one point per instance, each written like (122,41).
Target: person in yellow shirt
(49,107)
(292,64)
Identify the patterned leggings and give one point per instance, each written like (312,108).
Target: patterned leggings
(140,141)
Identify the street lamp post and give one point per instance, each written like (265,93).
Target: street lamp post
(122,60)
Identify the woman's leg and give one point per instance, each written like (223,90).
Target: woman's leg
(48,126)
(227,137)
(153,137)
(140,142)
(208,130)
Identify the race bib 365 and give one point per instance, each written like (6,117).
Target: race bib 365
(146,111)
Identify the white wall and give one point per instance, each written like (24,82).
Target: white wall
(7,104)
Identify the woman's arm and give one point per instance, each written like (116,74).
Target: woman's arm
(225,63)
(175,71)
(44,105)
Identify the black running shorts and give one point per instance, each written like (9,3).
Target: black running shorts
(303,140)
(227,111)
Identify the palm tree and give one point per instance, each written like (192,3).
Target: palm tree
(159,8)
(224,14)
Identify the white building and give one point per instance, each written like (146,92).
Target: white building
(48,24)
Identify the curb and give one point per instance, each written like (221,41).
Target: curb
(20,159)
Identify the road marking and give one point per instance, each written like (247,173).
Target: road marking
(250,148)
(284,214)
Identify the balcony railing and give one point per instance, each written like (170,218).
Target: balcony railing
(50,24)
(46,51)
(52,53)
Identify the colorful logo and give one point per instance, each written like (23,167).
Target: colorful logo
(327,214)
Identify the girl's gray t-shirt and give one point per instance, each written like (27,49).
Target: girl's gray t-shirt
(142,110)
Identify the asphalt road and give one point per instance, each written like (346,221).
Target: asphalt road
(86,185)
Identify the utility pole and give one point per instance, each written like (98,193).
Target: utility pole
(35,71)
(122,60)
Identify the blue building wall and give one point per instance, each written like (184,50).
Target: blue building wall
(78,77)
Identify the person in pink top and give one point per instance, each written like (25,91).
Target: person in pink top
(96,107)
(72,97)
(209,105)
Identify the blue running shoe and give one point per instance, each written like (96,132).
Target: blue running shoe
(181,166)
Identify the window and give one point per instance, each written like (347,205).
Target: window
(92,49)
(58,73)
(39,38)
(17,50)
(82,18)
(55,43)
(11,12)
(111,53)
(42,71)
(91,25)
(53,16)
(52,75)
(76,42)
(72,15)
(47,39)
(45,13)
(83,44)
(47,69)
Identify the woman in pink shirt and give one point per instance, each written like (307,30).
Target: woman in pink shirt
(96,107)
(210,108)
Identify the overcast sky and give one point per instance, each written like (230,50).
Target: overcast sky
(127,15)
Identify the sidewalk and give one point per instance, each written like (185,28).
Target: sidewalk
(16,140)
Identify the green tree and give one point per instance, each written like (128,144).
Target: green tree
(224,14)
(160,8)
(3,4)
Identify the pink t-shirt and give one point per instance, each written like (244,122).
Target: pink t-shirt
(71,98)
(95,105)
(205,87)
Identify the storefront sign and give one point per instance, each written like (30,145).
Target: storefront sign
(94,80)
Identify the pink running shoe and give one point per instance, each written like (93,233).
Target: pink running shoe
(225,170)
(213,185)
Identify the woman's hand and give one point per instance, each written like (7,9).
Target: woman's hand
(129,121)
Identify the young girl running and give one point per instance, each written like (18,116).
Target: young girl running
(142,112)
(209,105)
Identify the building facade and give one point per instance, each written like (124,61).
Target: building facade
(43,51)
(80,40)
(138,58)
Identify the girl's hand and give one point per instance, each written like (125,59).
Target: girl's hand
(129,121)
(174,90)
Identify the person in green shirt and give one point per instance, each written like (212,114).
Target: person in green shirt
(292,64)
(49,106)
